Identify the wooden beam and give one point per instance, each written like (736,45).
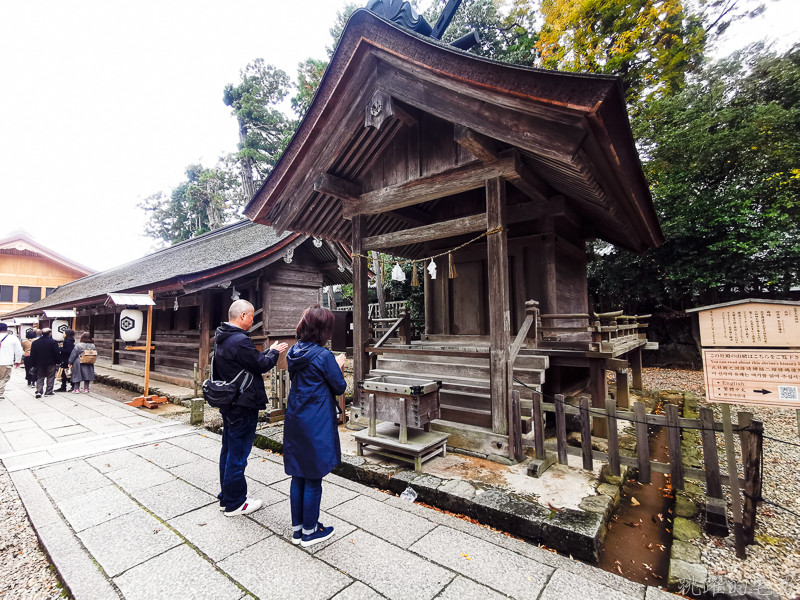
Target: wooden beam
(427,233)
(527,182)
(334,264)
(484,148)
(337,187)
(205,332)
(453,181)
(499,305)
(360,309)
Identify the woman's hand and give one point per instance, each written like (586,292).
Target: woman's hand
(279,346)
(340,358)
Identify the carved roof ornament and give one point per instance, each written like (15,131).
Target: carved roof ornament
(402,13)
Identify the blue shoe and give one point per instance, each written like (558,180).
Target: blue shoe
(320,535)
(297,537)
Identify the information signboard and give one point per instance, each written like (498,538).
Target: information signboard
(750,325)
(757,377)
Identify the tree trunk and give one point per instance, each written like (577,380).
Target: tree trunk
(248,185)
(379,285)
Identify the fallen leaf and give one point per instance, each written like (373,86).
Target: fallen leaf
(634,501)
(619,569)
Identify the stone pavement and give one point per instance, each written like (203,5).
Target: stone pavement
(139,519)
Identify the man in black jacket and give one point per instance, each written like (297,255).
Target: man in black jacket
(45,358)
(235,352)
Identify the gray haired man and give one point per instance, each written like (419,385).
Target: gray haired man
(236,352)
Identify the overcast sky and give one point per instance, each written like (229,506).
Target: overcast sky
(104,103)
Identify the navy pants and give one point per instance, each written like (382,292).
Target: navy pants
(304,497)
(239,431)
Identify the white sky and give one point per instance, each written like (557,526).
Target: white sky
(104,103)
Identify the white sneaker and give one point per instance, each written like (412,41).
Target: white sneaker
(248,507)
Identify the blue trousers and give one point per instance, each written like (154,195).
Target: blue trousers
(239,431)
(304,498)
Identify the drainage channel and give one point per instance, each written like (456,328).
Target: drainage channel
(639,537)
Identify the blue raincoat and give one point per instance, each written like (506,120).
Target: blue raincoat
(310,435)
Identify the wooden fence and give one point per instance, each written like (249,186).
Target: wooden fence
(750,435)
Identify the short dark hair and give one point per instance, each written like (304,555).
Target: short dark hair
(30,334)
(69,333)
(86,338)
(316,325)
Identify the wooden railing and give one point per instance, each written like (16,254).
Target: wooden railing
(610,332)
(526,331)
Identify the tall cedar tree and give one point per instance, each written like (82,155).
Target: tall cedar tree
(264,131)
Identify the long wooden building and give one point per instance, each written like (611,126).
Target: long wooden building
(194,283)
(413,147)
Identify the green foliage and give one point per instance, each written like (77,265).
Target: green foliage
(264,131)
(208,199)
(342,16)
(309,76)
(723,159)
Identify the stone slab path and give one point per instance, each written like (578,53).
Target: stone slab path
(137,518)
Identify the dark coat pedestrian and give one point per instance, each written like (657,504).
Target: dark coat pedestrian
(311,446)
(235,351)
(45,352)
(311,437)
(45,358)
(66,348)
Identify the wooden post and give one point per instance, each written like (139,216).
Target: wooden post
(586,434)
(623,397)
(378,268)
(561,429)
(516,417)
(642,442)
(360,305)
(114,336)
(147,347)
(613,438)
(205,333)
(403,422)
(499,305)
(538,426)
(429,300)
(752,441)
(443,306)
(710,457)
(674,443)
(372,416)
(635,360)
(598,387)
(733,481)
(91,325)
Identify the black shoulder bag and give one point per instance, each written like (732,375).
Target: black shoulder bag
(223,394)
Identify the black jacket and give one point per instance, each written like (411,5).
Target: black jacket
(45,352)
(66,349)
(236,351)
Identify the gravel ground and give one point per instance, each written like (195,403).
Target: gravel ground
(774,561)
(25,572)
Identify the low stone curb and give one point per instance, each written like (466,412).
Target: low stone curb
(572,532)
(139,388)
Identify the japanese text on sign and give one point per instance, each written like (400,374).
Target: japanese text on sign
(751,324)
(763,377)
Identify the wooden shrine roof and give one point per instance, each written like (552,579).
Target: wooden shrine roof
(569,131)
(198,263)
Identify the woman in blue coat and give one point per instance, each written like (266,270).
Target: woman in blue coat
(310,435)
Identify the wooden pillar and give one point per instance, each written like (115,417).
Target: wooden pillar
(360,307)
(429,299)
(205,332)
(499,305)
(91,325)
(598,387)
(114,336)
(635,360)
(148,340)
(265,308)
(443,305)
